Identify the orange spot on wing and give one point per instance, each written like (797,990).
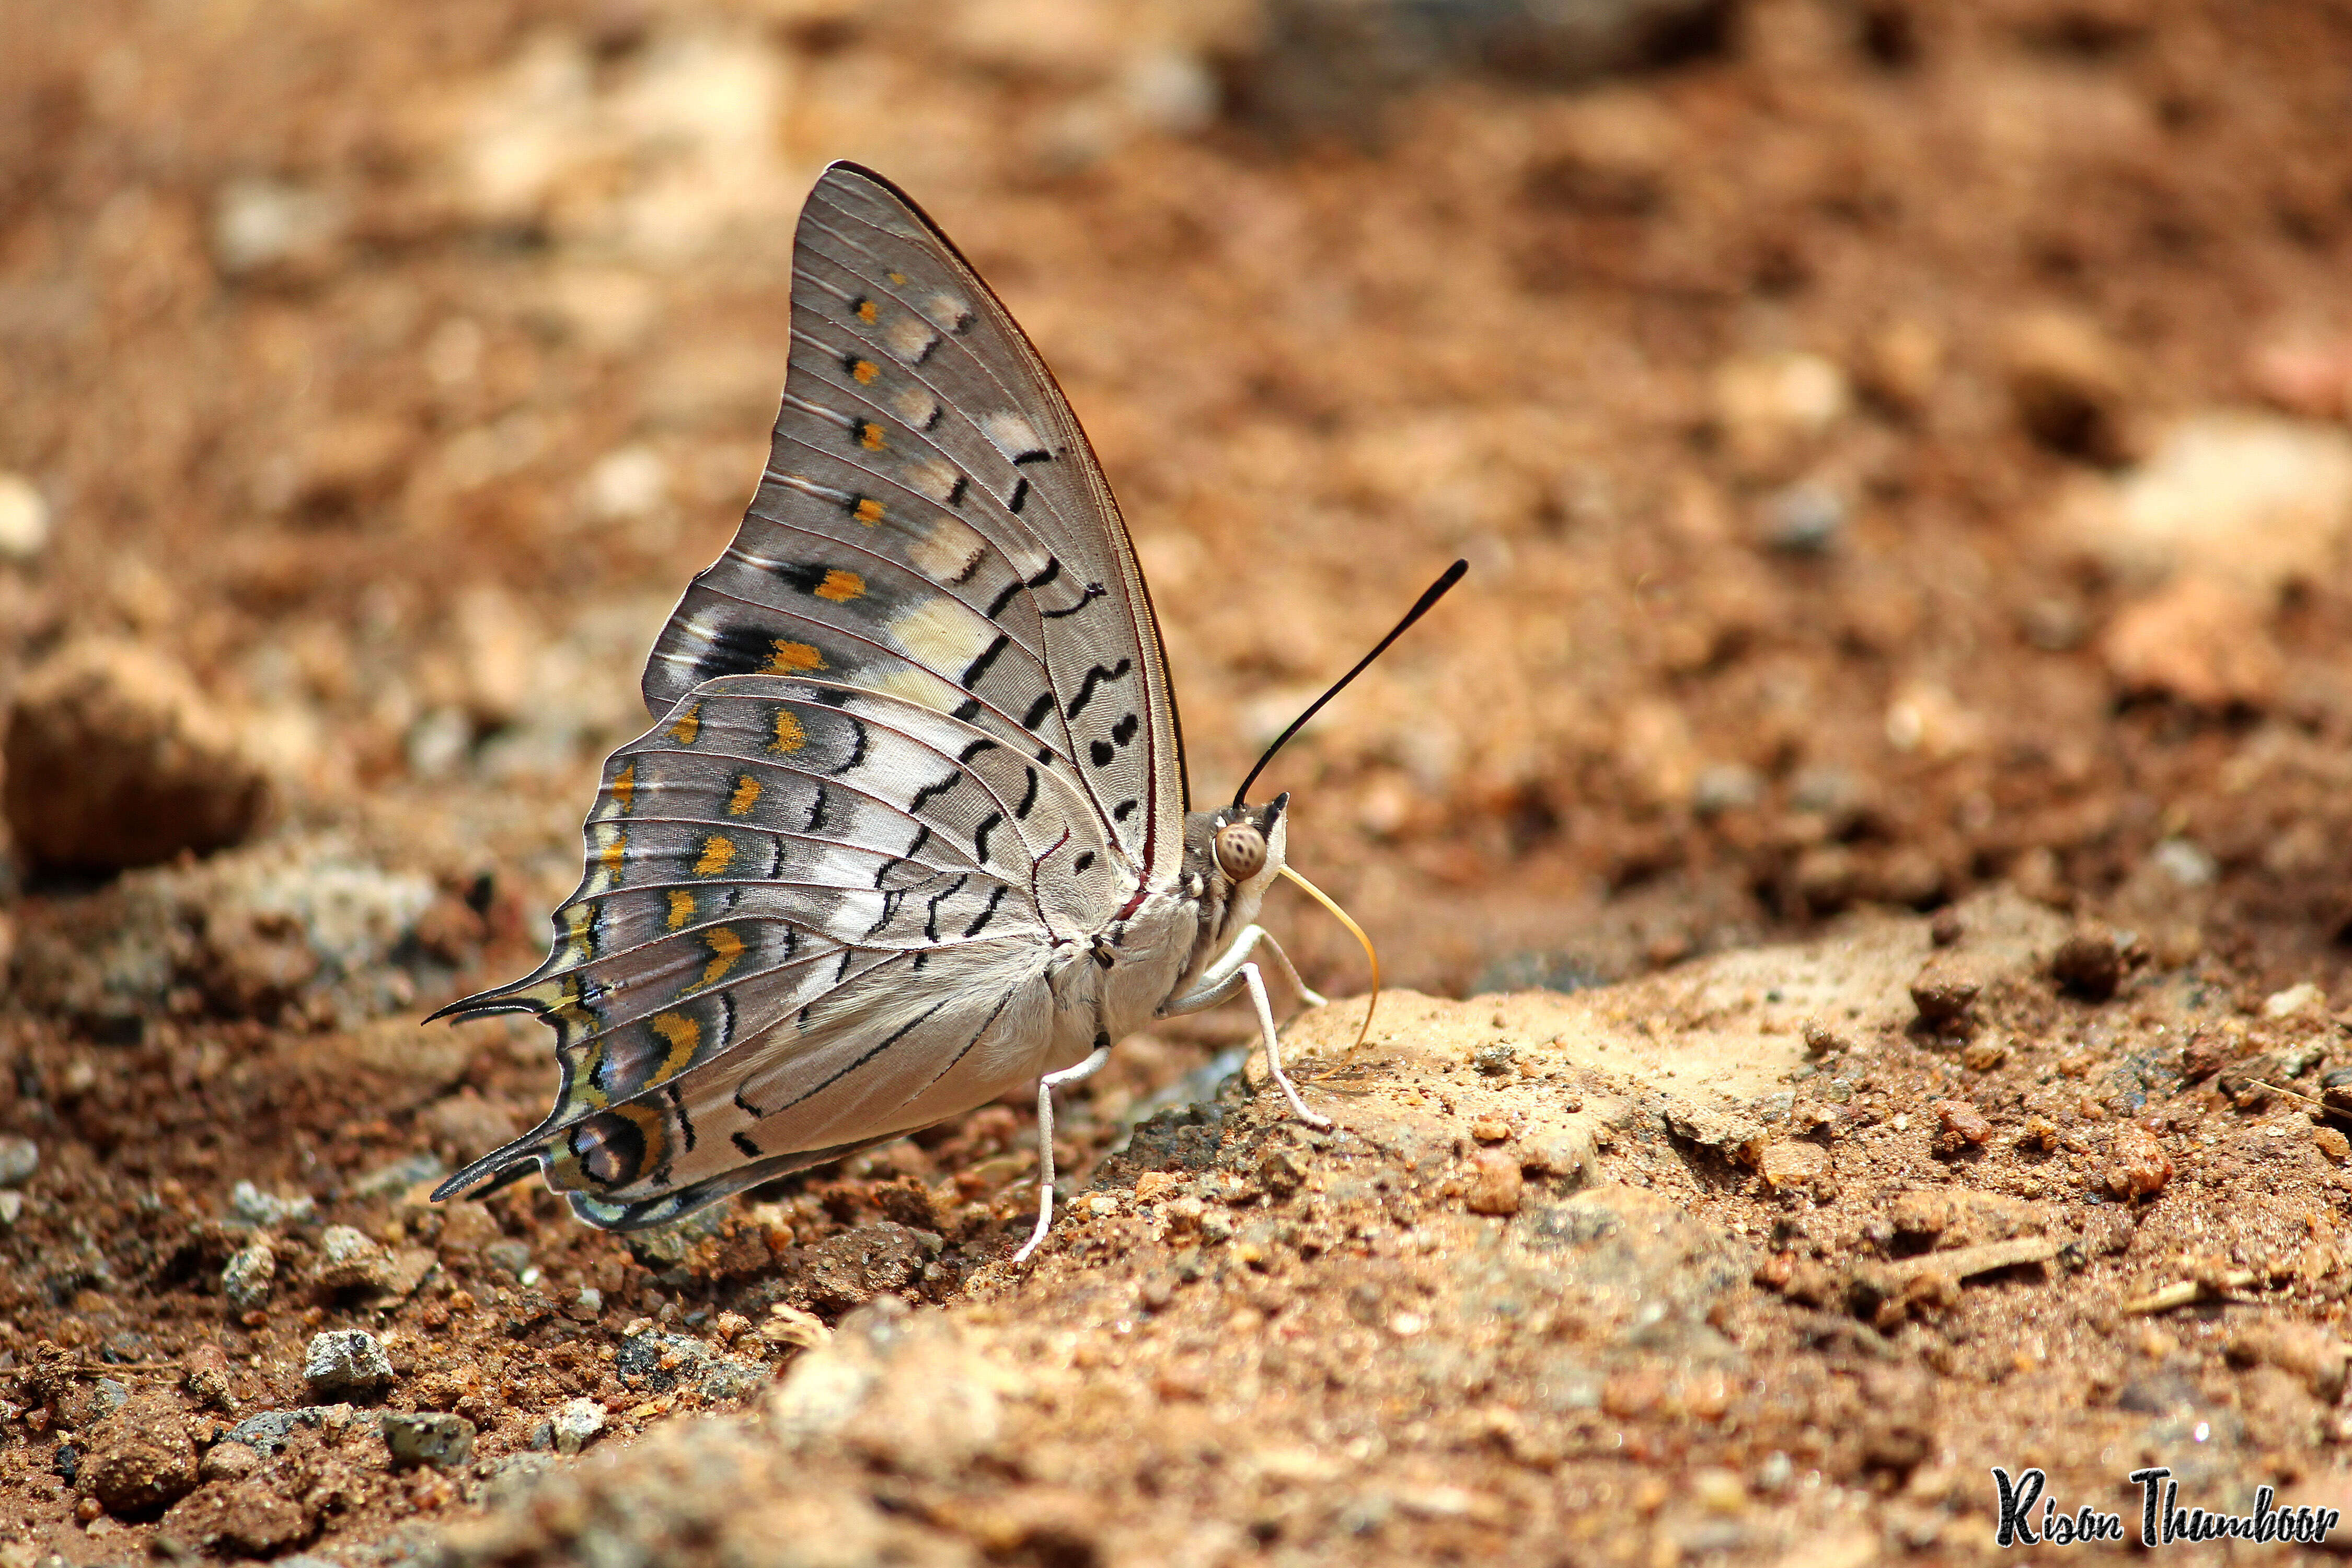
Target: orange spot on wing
(687,726)
(613,851)
(725,948)
(869,435)
(841,587)
(790,736)
(868,511)
(681,908)
(746,796)
(624,787)
(865,371)
(683,1034)
(791,657)
(716,853)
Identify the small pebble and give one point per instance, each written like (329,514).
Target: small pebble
(1963,1121)
(512,1255)
(1718,1490)
(251,1204)
(1494,1183)
(246,1276)
(2089,964)
(24,519)
(1496,1059)
(346,1364)
(19,1158)
(2140,1167)
(573,1426)
(443,1442)
(351,1261)
(229,1462)
(1984,1055)
(2295,999)
(2184,862)
(1490,1129)
(1804,519)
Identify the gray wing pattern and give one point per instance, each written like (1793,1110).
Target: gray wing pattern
(913,732)
(810,919)
(932,523)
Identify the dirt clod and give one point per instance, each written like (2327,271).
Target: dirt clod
(139,1459)
(243,1519)
(1495,1183)
(2089,964)
(2138,1165)
(155,768)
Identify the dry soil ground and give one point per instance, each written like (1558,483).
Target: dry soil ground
(1901,449)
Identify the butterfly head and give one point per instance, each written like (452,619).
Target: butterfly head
(1232,855)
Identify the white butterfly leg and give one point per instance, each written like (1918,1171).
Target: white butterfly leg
(1231,973)
(1220,972)
(1273,1048)
(1046,1087)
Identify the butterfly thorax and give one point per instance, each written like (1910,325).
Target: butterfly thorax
(1224,905)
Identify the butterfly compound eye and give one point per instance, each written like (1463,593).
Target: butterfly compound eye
(1241,852)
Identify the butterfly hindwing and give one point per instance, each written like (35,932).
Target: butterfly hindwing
(716,936)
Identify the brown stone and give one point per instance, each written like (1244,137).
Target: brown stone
(1494,1183)
(2138,1167)
(1944,992)
(205,1376)
(139,1459)
(154,768)
(1962,1122)
(2089,964)
(243,1518)
(1792,1162)
(2201,640)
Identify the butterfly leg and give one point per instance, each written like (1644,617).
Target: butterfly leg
(1273,1048)
(1217,984)
(1046,1087)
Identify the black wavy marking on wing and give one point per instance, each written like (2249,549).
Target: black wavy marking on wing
(500,998)
(645,1213)
(749,650)
(845,183)
(501,1166)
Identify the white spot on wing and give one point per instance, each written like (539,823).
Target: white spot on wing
(941,632)
(934,479)
(1011,433)
(948,551)
(915,406)
(907,337)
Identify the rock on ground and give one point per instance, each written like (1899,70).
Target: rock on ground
(346,1364)
(116,759)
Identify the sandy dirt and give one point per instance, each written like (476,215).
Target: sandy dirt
(1863,848)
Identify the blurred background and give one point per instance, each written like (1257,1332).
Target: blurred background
(1900,445)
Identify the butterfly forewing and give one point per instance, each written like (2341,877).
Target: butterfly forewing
(913,738)
(920,426)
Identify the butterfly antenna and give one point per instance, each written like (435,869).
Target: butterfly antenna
(1324,899)
(1436,591)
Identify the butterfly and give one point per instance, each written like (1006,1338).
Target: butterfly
(912,826)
